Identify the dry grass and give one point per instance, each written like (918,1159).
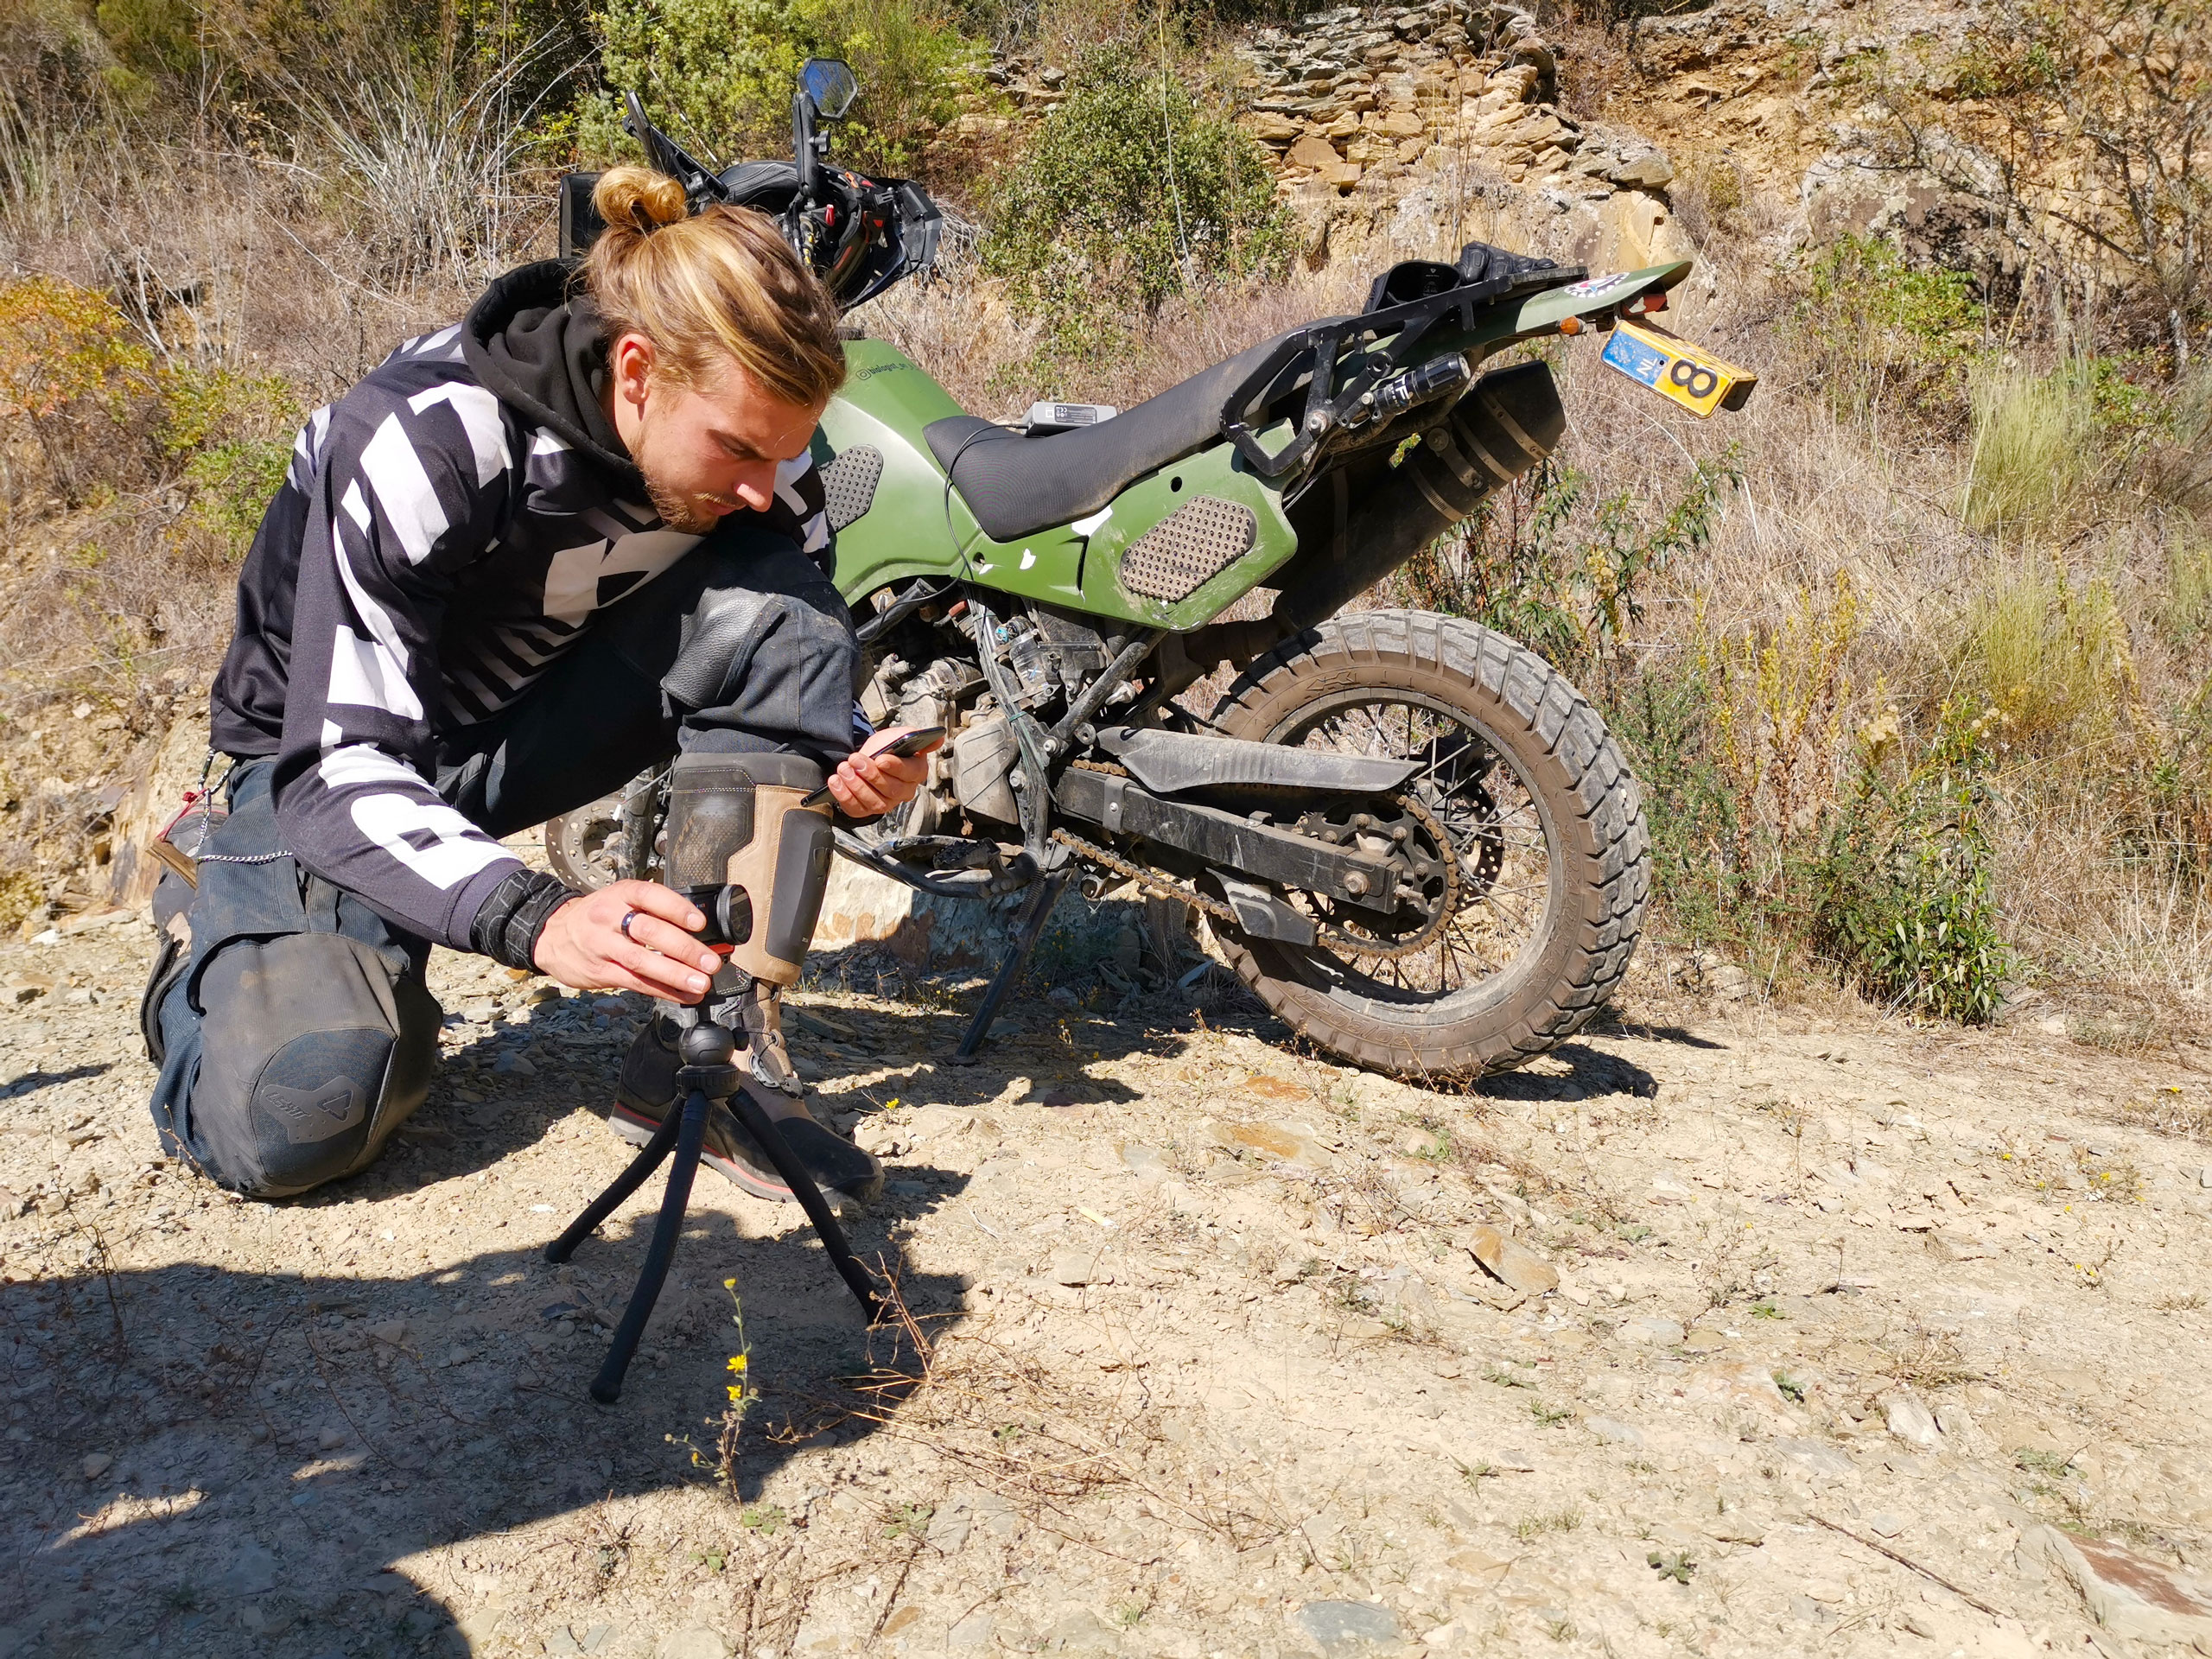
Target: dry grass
(2170,1111)
(2081,614)
(223,264)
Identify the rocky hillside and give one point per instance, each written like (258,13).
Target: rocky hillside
(1372,114)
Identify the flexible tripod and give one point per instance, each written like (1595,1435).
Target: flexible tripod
(707,1077)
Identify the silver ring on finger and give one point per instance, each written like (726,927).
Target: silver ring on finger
(628,917)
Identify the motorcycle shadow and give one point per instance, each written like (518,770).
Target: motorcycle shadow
(1589,1072)
(230,1461)
(903,1047)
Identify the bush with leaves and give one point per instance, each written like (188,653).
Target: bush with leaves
(1884,331)
(717,75)
(71,370)
(1565,581)
(104,417)
(1902,902)
(230,435)
(1565,575)
(1131,192)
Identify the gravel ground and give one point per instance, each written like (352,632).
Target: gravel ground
(1728,1330)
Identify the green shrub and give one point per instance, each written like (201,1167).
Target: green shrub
(1564,582)
(231,435)
(1131,193)
(1902,892)
(2049,652)
(1663,719)
(151,39)
(717,75)
(1883,330)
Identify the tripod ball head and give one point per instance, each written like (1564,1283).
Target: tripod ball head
(707,1044)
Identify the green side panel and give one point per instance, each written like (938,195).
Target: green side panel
(886,401)
(909,529)
(1221,474)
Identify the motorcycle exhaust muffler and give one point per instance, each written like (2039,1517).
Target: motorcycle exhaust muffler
(1361,522)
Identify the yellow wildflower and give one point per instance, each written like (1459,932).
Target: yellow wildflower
(730,1284)
(737,1362)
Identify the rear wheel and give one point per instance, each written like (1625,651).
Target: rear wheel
(1522,837)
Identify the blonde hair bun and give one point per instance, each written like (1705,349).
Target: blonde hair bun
(637,198)
(711,290)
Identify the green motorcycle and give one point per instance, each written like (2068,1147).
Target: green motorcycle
(1411,837)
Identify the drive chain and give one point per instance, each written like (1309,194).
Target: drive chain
(1153,880)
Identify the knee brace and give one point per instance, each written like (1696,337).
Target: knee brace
(749,855)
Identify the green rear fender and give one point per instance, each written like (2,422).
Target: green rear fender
(915,527)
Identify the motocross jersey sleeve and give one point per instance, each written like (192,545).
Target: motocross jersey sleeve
(801,510)
(408,486)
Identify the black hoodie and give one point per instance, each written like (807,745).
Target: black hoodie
(534,341)
(448,529)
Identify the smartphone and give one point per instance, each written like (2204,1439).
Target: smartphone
(905,748)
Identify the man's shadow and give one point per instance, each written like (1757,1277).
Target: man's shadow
(207,1461)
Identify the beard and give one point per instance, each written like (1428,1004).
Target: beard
(688,511)
(691,514)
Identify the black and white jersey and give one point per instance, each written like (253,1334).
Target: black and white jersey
(432,550)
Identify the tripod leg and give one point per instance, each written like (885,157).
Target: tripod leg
(1036,911)
(759,1125)
(607,1387)
(646,1162)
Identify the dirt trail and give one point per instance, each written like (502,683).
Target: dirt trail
(1843,1313)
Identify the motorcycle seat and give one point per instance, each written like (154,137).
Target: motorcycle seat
(1015,484)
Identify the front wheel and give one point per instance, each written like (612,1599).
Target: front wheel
(1521,819)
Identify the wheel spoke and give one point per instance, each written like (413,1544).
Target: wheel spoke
(1495,851)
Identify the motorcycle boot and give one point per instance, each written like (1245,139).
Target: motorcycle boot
(745,851)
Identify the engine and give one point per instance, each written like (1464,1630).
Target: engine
(1051,654)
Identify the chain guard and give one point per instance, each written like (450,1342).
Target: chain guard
(1446,866)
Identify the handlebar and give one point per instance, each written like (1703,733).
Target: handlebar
(858,234)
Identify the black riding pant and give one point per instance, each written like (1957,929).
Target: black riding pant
(292,1024)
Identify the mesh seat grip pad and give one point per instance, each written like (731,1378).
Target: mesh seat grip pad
(1189,548)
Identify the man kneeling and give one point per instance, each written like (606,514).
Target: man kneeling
(524,557)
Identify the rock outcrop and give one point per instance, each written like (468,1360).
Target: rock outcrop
(1340,95)
(1387,122)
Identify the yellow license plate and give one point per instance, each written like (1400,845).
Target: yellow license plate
(1675,369)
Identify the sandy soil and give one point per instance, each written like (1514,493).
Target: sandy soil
(1843,1312)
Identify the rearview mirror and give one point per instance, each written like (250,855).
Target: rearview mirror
(829,86)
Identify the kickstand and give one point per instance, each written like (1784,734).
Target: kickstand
(1028,928)
(708,1079)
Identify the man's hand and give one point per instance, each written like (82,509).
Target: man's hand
(584,947)
(868,783)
